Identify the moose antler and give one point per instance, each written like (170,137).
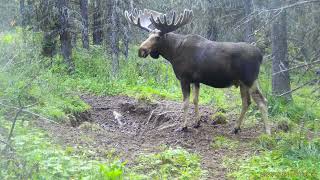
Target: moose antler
(164,26)
(139,19)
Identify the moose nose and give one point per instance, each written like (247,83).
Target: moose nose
(143,52)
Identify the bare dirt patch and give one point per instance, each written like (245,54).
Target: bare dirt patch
(132,127)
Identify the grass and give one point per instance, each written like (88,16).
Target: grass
(35,157)
(170,164)
(43,85)
(221,142)
(285,156)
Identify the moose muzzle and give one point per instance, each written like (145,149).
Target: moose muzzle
(143,52)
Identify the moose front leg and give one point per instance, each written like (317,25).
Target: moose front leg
(196,89)
(185,86)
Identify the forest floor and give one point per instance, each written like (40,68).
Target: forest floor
(145,127)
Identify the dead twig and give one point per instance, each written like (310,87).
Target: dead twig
(29,112)
(299,87)
(299,66)
(118,117)
(166,112)
(166,127)
(150,116)
(7,144)
(14,124)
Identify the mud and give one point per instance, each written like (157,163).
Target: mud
(132,127)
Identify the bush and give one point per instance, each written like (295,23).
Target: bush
(287,156)
(170,164)
(35,157)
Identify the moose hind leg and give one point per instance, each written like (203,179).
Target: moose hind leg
(185,86)
(196,89)
(262,105)
(246,101)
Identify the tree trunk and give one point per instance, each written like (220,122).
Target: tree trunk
(249,28)
(49,29)
(29,13)
(65,36)
(126,41)
(23,12)
(212,32)
(74,38)
(85,26)
(48,45)
(280,81)
(114,39)
(97,33)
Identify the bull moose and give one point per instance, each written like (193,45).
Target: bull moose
(196,60)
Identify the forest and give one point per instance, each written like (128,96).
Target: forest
(110,89)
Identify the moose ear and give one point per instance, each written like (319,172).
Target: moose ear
(155,54)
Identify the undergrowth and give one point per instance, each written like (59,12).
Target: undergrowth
(170,164)
(283,156)
(34,157)
(43,86)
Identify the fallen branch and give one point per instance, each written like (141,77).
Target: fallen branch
(149,118)
(299,66)
(166,127)
(295,4)
(29,112)
(299,87)
(118,117)
(166,112)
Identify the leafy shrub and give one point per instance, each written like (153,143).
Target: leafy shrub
(288,156)
(222,142)
(170,164)
(37,158)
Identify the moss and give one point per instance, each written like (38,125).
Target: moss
(219,118)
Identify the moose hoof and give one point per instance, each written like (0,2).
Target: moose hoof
(236,130)
(197,125)
(183,129)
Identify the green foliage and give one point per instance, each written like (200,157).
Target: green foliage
(170,164)
(25,79)
(285,156)
(30,79)
(221,142)
(219,118)
(37,158)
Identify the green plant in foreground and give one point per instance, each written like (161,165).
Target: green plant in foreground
(170,164)
(222,142)
(288,156)
(35,157)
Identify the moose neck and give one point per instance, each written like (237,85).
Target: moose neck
(169,48)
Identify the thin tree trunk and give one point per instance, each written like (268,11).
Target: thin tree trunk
(22,13)
(29,12)
(280,81)
(249,28)
(126,40)
(74,38)
(65,37)
(48,45)
(97,33)
(85,26)
(114,40)
(49,38)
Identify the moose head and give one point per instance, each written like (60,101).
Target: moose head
(157,25)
